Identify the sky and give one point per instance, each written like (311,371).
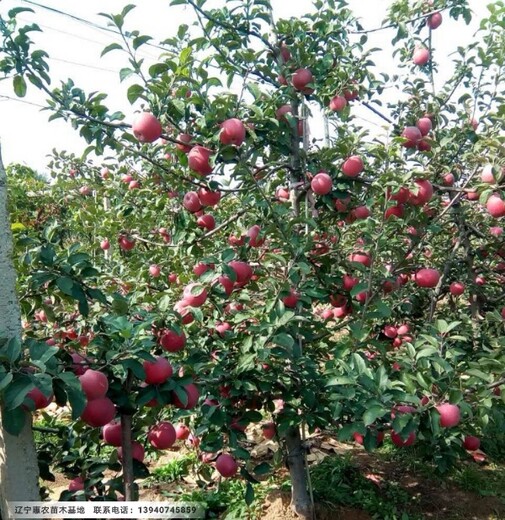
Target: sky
(26,135)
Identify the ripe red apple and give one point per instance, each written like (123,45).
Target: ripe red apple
(427,277)
(361,258)
(496,206)
(184,145)
(226,465)
(348,282)
(487,175)
(206,221)
(398,441)
(291,300)
(222,327)
(105,244)
(94,384)
(99,412)
(38,399)
(232,132)
(182,432)
(338,103)
(154,270)
(423,145)
(146,128)
(226,283)
(390,331)
(209,197)
(448,179)
(394,211)
(173,278)
(193,395)
(138,451)
(284,53)
(281,112)
(361,212)
(111,433)
(191,202)
(301,78)
(421,56)
(424,193)
(157,372)
(434,21)
(268,430)
(133,185)
(171,341)
(202,268)
(253,234)
(282,193)
(199,160)
(195,294)
(425,125)
(321,184)
(413,135)
(471,443)
(450,415)
(457,288)
(162,436)
(126,243)
(353,166)
(243,271)
(76,484)
(480,280)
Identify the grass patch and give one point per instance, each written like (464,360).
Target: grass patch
(174,470)
(483,481)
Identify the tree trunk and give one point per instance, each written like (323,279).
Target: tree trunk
(300,500)
(127,459)
(18,458)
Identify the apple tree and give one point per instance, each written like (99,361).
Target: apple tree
(222,267)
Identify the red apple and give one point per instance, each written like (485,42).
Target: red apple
(291,300)
(38,399)
(361,212)
(487,175)
(321,184)
(182,432)
(348,282)
(390,331)
(171,341)
(281,112)
(301,78)
(191,202)
(338,103)
(457,288)
(126,243)
(427,278)
(146,128)
(76,484)
(94,384)
(253,234)
(199,160)
(226,283)
(353,166)
(192,393)
(157,372)
(105,244)
(448,179)
(137,450)
(232,132)
(99,412)
(206,221)
(433,21)
(111,433)
(243,271)
(226,465)
(184,145)
(361,258)
(425,125)
(268,430)
(195,294)
(394,211)
(471,443)
(398,441)
(413,135)
(424,193)
(154,270)
(496,206)
(162,436)
(421,56)
(450,415)
(208,197)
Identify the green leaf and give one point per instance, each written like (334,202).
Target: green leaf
(249,494)
(284,340)
(140,40)
(111,47)
(134,92)
(19,84)
(5,379)
(14,420)
(74,392)
(125,73)
(15,393)
(262,469)
(11,351)
(373,413)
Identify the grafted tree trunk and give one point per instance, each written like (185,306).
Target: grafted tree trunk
(300,499)
(18,459)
